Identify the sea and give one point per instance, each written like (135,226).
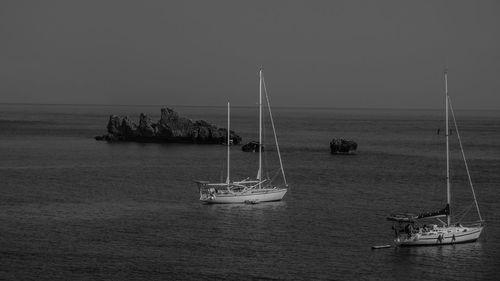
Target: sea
(73,208)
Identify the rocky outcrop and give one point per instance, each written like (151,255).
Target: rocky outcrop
(252,146)
(342,146)
(170,128)
(146,128)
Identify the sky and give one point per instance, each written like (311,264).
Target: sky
(339,54)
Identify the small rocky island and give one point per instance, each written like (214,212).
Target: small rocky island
(171,128)
(342,146)
(252,146)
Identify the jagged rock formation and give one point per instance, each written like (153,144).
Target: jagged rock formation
(342,146)
(170,128)
(252,146)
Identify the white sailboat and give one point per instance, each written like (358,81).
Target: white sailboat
(248,190)
(410,230)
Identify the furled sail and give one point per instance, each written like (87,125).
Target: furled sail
(410,217)
(441,213)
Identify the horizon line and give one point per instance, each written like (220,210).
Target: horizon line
(241,106)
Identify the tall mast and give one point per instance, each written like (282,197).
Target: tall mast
(259,174)
(448,195)
(228,142)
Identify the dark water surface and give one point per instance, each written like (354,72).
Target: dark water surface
(72,208)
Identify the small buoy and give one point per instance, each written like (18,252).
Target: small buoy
(381,247)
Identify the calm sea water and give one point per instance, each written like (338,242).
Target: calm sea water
(72,208)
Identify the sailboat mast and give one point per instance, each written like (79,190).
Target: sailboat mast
(259,175)
(448,195)
(228,142)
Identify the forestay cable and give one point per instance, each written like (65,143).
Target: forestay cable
(274,131)
(465,161)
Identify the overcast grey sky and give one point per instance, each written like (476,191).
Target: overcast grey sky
(388,54)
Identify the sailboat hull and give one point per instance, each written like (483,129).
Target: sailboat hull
(252,196)
(441,236)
